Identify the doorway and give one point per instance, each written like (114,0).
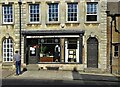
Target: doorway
(92,53)
(33,54)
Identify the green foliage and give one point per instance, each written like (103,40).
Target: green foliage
(43,49)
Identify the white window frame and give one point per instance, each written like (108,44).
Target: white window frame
(116,51)
(67,13)
(7,46)
(3,17)
(48,13)
(39,14)
(67,52)
(97,14)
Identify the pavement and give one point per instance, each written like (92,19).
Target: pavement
(59,75)
(6,73)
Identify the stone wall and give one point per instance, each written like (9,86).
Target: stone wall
(97,29)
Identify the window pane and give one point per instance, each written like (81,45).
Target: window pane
(91,17)
(116,50)
(34,12)
(7,50)
(72,11)
(7,59)
(7,17)
(91,8)
(91,11)
(116,54)
(53,12)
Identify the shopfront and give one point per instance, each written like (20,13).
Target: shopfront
(60,46)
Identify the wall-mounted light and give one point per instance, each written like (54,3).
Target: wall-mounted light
(62,25)
(92,0)
(72,0)
(53,1)
(33,1)
(6,1)
(92,34)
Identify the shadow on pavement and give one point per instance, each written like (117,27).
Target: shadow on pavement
(24,70)
(88,77)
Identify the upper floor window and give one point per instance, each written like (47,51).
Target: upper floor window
(53,12)
(92,11)
(72,12)
(116,51)
(34,13)
(7,50)
(7,14)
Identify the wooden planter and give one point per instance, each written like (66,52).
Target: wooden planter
(46,59)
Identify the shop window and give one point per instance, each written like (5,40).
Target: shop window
(7,50)
(72,47)
(49,50)
(116,51)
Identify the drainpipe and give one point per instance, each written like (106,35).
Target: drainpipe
(20,3)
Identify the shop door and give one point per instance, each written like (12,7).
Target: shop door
(92,53)
(33,55)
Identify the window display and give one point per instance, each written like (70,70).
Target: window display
(49,49)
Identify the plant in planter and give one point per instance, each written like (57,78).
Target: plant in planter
(42,50)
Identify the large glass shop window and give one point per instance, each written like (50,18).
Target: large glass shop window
(49,49)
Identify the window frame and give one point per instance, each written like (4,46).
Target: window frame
(97,14)
(34,22)
(48,13)
(72,55)
(5,48)
(67,12)
(116,56)
(11,14)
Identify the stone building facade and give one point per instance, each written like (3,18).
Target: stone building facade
(114,8)
(63,33)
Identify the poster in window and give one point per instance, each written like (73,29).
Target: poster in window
(32,51)
(70,56)
(71,52)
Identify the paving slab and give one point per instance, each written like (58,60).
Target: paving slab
(64,75)
(7,73)
(48,74)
